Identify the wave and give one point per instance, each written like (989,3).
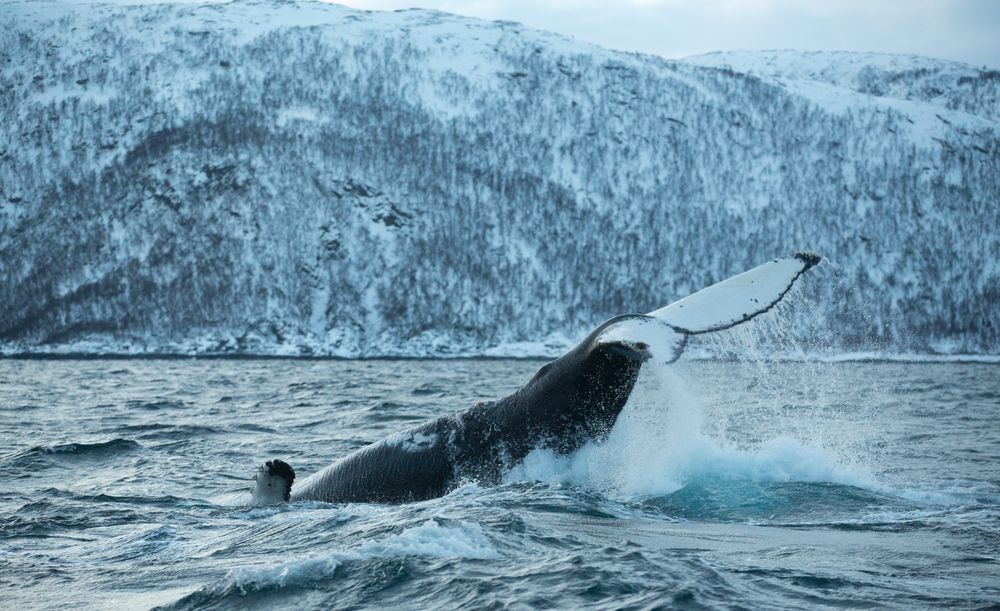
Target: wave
(164,404)
(784,503)
(89,449)
(156,431)
(70,451)
(432,538)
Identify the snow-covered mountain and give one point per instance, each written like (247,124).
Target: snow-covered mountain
(309,179)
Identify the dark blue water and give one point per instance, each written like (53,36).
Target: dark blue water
(754,485)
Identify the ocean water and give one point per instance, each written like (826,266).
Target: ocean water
(724,485)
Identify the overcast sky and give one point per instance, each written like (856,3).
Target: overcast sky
(964,30)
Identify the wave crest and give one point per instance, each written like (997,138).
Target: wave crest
(430,539)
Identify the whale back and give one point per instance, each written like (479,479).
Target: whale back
(569,401)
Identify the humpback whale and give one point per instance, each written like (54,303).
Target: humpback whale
(569,401)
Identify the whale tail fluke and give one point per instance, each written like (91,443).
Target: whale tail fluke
(721,306)
(273,483)
(738,299)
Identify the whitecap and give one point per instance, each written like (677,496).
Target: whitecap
(430,539)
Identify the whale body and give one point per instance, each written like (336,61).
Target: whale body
(568,402)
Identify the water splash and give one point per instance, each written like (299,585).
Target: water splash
(662,442)
(692,422)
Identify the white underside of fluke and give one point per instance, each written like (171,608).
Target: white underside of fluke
(641,333)
(723,305)
(736,300)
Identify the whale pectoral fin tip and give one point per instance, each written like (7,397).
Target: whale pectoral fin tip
(273,482)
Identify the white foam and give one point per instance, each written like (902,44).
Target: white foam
(658,446)
(430,539)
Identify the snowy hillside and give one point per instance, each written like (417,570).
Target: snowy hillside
(938,83)
(278,178)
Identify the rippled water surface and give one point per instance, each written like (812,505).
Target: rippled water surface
(122,483)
